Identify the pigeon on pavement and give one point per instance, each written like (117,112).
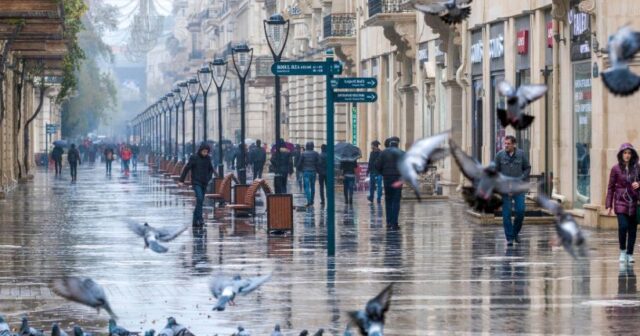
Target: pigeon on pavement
(242,332)
(26,330)
(152,236)
(370,321)
(569,233)
(623,45)
(304,333)
(450,11)
(150,332)
(178,329)
(115,330)
(517,101)
(82,290)
(4,327)
(319,332)
(225,288)
(56,331)
(488,183)
(276,331)
(77,331)
(419,156)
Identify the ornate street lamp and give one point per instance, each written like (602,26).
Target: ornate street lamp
(169,105)
(166,125)
(184,93)
(276,30)
(193,88)
(158,112)
(219,69)
(242,58)
(176,104)
(205,79)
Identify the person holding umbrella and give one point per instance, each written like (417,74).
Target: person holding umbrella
(56,156)
(348,155)
(282,166)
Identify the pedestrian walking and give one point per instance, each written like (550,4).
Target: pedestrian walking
(135,151)
(126,158)
(56,156)
(322,172)
(73,156)
(258,157)
(282,164)
(622,198)
(348,179)
(512,162)
(308,164)
(375,178)
(387,165)
(297,153)
(201,172)
(108,159)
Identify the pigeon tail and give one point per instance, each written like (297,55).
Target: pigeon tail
(156,247)
(523,123)
(455,19)
(502,116)
(222,303)
(110,312)
(621,81)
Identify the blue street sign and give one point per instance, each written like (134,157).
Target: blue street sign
(354,83)
(355,97)
(306,68)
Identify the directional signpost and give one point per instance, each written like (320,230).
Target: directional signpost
(329,68)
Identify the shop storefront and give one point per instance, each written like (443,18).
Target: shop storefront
(523,73)
(496,55)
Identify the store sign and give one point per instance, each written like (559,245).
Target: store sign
(550,34)
(354,125)
(496,47)
(476,52)
(580,34)
(523,42)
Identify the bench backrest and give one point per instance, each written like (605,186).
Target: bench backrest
(225,187)
(250,198)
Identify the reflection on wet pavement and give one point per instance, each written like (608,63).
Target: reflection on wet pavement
(451,276)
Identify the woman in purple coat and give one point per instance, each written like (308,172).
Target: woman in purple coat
(622,197)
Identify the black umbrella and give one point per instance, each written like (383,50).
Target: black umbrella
(345,151)
(61,143)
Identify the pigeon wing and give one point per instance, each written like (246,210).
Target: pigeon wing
(136,227)
(166,234)
(252,284)
(383,299)
(434,9)
(630,43)
(72,288)
(463,3)
(469,166)
(359,318)
(511,185)
(549,204)
(530,93)
(506,89)
(218,284)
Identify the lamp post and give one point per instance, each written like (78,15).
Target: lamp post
(158,111)
(169,105)
(205,79)
(276,30)
(165,108)
(184,93)
(176,104)
(193,88)
(242,58)
(219,69)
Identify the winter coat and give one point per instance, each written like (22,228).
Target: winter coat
(126,154)
(387,162)
(620,194)
(258,156)
(281,162)
(322,164)
(108,154)
(296,155)
(348,167)
(309,159)
(200,167)
(373,156)
(73,156)
(57,152)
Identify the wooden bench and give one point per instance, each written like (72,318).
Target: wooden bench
(279,213)
(170,168)
(177,170)
(223,193)
(245,196)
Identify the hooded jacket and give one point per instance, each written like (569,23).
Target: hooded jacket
(620,193)
(281,160)
(309,159)
(200,167)
(387,162)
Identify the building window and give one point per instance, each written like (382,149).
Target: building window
(476,122)
(523,77)
(582,132)
(498,133)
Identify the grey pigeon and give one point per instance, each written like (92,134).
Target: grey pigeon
(166,331)
(150,332)
(26,330)
(370,321)
(419,156)
(623,45)
(319,332)
(488,183)
(242,332)
(304,333)
(152,236)
(115,330)
(517,101)
(56,331)
(77,331)
(347,331)
(82,290)
(178,329)
(450,11)
(569,233)
(4,327)
(225,288)
(276,331)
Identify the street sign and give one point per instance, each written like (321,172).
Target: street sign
(52,128)
(354,83)
(306,68)
(354,125)
(355,97)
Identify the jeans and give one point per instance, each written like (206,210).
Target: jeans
(197,212)
(109,166)
(627,230)
(258,167)
(126,165)
(511,231)
(392,197)
(299,179)
(349,186)
(375,183)
(134,162)
(322,181)
(74,170)
(309,185)
(58,164)
(280,184)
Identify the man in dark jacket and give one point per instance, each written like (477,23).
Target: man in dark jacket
(73,156)
(282,167)
(308,164)
(387,165)
(322,172)
(201,172)
(108,158)
(375,179)
(56,156)
(348,180)
(258,158)
(512,162)
(297,153)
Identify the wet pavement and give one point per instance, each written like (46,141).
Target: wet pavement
(451,276)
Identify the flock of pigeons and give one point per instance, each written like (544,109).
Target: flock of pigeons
(483,195)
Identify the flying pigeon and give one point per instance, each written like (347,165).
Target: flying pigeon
(623,45)
(56,331)
(487,182)
(517,101)
(77,331)
(84,291)
(115,330)
(569,233)
(370,321)
(152,236)
(419,156)
(450,11)
(276,331)
(225,288)
(242,332)
(4,327)
(26,330)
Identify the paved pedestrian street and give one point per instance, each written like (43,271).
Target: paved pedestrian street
(451,276)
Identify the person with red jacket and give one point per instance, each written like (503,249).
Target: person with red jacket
(622,198)
(126,158)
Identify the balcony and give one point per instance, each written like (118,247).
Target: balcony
(398,23)
(386,6)
(339,25)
